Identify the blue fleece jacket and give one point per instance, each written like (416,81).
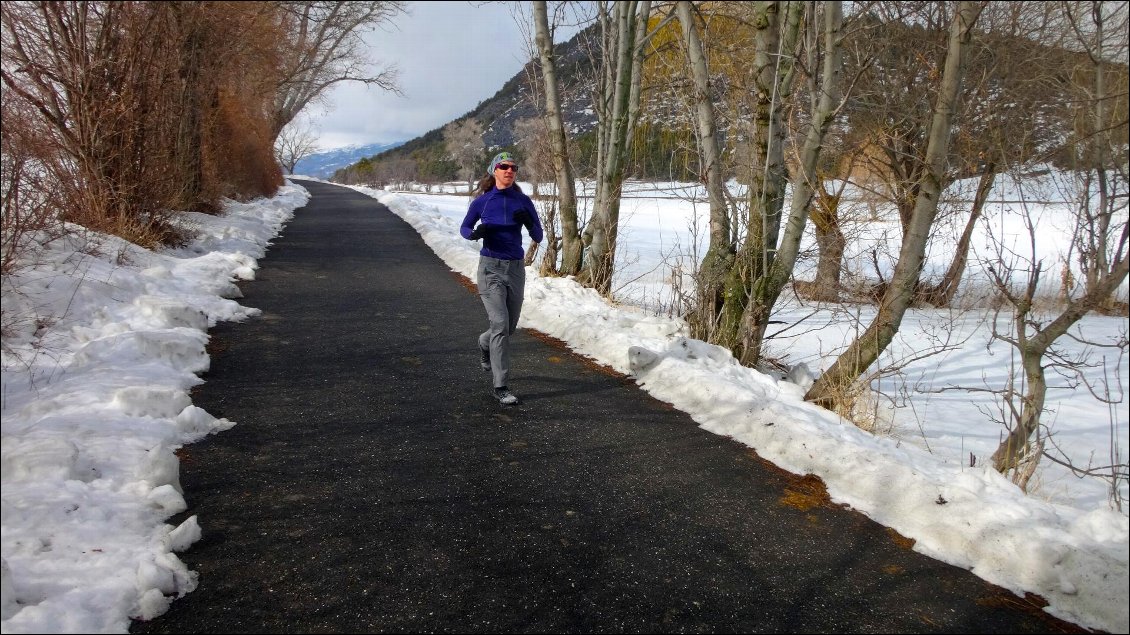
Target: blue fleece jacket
(502,232)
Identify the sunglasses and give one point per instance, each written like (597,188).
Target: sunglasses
(506,167)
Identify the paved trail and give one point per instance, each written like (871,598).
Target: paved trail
(373,484)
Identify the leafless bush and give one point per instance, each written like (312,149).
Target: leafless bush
(30,212)
(141,109)
(79,66)
(241,148)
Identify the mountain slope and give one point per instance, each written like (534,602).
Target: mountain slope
(498,115)
(324,164)
(664,145)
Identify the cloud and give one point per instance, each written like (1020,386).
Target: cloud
(450,55)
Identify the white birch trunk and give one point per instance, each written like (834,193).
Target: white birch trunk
(776,276)
(620,99)
(571,247)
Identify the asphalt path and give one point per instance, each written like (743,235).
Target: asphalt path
(373,484)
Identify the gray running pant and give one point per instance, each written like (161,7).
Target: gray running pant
(502,284)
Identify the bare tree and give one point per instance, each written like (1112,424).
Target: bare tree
(719,256)
(625,33)
(56,61)
(776,38)
(1009,84)
(29,205)
(463,141)
(139,109)
(737,287)
(1102,234)
(828,389)
(571,245)
(827,228)
(1019,278)
(537,156)
(295,142)
(326,48)
(531,136)
(825,89)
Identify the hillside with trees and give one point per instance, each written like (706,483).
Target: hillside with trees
(664,146)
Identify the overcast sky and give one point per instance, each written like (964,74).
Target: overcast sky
(451,56)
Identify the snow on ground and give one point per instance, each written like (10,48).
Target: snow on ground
(102,342)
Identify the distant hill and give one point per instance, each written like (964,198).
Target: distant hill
(323,164)
(498,116)
(664,145)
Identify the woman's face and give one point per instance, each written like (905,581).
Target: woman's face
(504,174)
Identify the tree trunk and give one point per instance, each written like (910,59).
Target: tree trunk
(775,37)
(571,247)
(780,268)
(552,243)
(828,390)
(1096,252)
(946,289)
(830,244)
(720,254)
(1014,449)
(614,129)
